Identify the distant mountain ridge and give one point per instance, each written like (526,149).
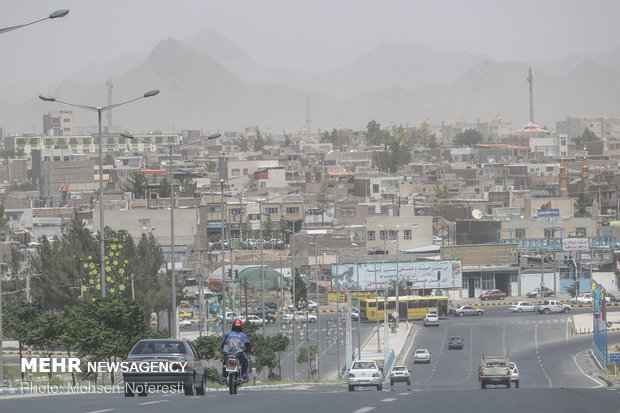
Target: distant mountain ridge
(209,83)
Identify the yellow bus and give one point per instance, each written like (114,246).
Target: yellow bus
(409,307)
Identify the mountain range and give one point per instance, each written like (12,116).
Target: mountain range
(209,83)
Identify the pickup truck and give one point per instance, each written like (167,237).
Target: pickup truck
(494,370)
(552,306)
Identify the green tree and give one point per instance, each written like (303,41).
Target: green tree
(164,188)
(586,137)
(208,347)
(19,322)
(187,187)
(106,328)
(268,227)
(311,360)
(468,137)
(46,335)
(423,136)
(137,184)
(442,192)
(243,144)
(278,344)
(374,134)
(301,292)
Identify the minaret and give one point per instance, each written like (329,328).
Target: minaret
(530,79)
(585,183)
(563,180)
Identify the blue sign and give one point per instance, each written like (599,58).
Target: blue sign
(554,212)
(614,358)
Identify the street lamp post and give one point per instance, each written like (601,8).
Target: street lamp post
(357,274)
(99,110)
(54,15)
(173,310)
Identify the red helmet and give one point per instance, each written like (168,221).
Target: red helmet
(237,323)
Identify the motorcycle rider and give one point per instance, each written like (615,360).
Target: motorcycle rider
(235,342)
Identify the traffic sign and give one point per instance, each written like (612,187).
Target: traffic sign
(614,358)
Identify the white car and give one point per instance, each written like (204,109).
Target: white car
(421,355)
(252,319)
(522,306)
(431,320)
(514,373)
(300,316)
(583,299)
(365,373)
(185,322)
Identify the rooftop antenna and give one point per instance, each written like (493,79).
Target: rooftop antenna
(308,118)
(110,86)
(530,79)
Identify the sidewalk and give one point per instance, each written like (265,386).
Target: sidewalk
(583,324)
(397,340)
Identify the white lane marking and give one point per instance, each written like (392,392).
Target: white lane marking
(389,399)
(404,394)
(415,331)
(504,338)
(364,409)
(153,402)
(538,356)
(568,320)
(101,411)
(583,372)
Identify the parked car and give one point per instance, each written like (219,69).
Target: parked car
(582,299)
(514,373)
(312,306)
(252,319)
(355,314)
(269,317)
(493,295)
(522,306)
(611,298)
(192,377)
(431,320)
(421,355)
(466,310)
(185,322)
(455,342)
(536,292)
(365,373)
(400,373)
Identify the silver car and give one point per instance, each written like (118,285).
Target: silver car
(186,369)
(467,310)
(522,306)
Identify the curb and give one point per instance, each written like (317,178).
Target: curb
(610,382)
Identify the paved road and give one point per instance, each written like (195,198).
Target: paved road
(335,398)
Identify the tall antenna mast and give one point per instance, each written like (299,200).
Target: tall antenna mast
(530,79)
(110,86)
(308,118)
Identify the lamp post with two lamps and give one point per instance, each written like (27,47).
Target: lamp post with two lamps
(173,316)
(54,15)
(99,110)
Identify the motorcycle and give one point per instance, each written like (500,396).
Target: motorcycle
(233,374)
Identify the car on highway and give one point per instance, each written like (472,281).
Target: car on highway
(536,292)
(183,314)
(252,319)
(522,306)
(610,298)
(365,373)
(300,316)
(355,314)
(421,355)
(455,342)
(191,376)
(431,319)
(514,373)
(466,310)
(269,317)
(185,322)
(582,299)
(400,373)
(493,295)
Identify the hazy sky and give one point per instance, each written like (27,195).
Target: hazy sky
(311,34)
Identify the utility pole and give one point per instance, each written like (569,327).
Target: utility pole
(223,217)
(359,338)
(318,313)
(294,304)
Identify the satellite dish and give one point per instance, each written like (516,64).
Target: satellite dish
(476,214)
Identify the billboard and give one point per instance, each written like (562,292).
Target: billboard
(421,274)
(553,212)
(575,244)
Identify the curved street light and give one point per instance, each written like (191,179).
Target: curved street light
(99,110)
(54,15)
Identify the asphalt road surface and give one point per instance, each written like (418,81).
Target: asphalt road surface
(552,377)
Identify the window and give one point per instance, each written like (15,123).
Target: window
(549,233)
(370,235)
(343,212)
(144,222)
(382,234)
(580,231)
(271,211)
(375,188)
(235,172)
(351,212)
(235,211)
(292,210)
(520,233)
(407,234)
(392,235)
